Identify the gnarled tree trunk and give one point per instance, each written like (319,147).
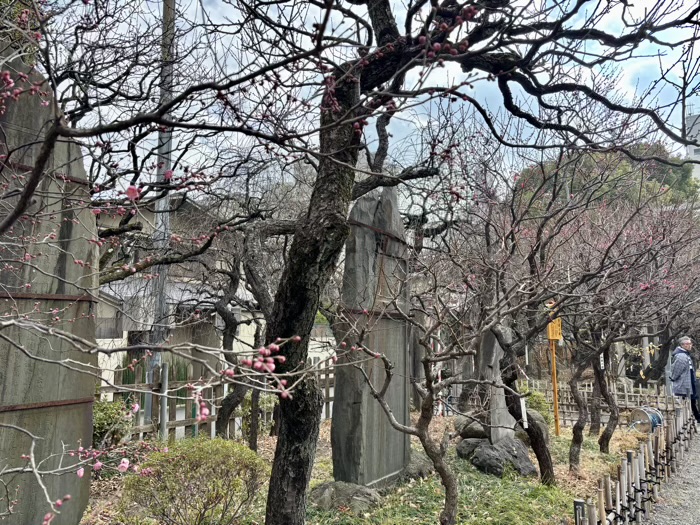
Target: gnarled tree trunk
(595,407)
(606,436)
(580,425)
(538,441)
(254,420)
(436,453)
(313,255)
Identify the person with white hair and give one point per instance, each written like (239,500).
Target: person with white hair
(683,374)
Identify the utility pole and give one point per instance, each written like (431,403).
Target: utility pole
(161,235)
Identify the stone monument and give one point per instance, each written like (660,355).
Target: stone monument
(367,450)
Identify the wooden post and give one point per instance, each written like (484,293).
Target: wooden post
(327,397)
(163,402)
(139,421)
(579,512)
(172,416)
(155,408)
(555,393)
(206,425)
(190,430)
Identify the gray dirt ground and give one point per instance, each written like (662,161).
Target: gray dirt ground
(679,499)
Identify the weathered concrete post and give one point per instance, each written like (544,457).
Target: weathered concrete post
(42,283)
(366,449)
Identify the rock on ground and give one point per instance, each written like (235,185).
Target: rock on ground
(492,459)
(679,503)
(335,494)
(420,466)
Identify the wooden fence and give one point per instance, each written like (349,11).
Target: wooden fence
(174,407)
(640,474)
(627,398)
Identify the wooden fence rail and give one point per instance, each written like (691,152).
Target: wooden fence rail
(176,409)
(630,497)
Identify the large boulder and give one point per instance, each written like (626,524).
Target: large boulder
(469,428)
(337,494)
(492,459)
(467,446)
(420,466)
(520,432)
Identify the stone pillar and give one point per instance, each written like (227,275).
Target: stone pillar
(367,450)
(489,361)
(47,287)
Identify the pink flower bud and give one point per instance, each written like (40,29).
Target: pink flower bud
(80,472)
(123,465)
(133,193)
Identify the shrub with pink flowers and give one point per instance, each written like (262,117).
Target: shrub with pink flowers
(198,481)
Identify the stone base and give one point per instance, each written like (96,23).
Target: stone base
(336,494)
(492,459)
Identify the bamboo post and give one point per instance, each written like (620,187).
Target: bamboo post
(630,486)
(618,499)
(644,475)
(624,499)
(602,512)
(636,485)
(592,514)
(608,493)
(579,512)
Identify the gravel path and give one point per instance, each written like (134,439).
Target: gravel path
(679,499)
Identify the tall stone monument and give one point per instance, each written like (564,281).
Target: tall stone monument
(367,450)
(42,392)
(500,423)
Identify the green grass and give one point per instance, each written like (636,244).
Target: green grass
(483,499)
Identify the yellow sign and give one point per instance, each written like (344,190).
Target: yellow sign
(554,329)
